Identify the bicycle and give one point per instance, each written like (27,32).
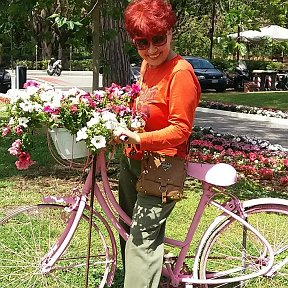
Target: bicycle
(246,245)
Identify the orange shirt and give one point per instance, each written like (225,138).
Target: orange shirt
(169,97)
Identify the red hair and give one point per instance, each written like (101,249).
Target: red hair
(145,18)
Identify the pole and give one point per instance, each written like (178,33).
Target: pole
(70,58)
(36,57)
(238,42)
(11,48)
(212,29)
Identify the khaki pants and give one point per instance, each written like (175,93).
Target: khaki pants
(144,249)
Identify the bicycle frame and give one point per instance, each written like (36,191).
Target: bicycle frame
(109,205)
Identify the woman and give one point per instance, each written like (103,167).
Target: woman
(170,93)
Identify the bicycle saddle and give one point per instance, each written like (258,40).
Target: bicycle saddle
(220,174)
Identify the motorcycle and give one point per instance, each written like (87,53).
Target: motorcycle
(55,68)
(241,76)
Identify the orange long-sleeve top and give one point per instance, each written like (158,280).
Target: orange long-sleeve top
(169,96)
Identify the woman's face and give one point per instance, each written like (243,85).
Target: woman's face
(155,55)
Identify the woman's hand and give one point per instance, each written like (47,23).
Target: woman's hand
(125,135)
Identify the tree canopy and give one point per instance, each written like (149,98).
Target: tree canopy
(54,27)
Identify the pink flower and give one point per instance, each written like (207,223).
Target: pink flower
(135,90)
(252,156)
(218,147)
(285,162)
(31,83)
(51,110)
(18,130)
(284,180)
(6,131)
(24,161)
(74,108)
(247,169)
(266,173)
(15,149)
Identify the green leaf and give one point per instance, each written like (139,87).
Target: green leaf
(70,25)
(53,16)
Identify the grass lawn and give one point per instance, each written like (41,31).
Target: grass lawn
(276,100)
(46,177)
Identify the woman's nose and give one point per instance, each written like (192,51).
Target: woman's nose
(152,48)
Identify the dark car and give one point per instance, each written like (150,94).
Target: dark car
(209,77)
(135,73)
(5,80)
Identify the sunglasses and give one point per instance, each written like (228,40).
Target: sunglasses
(144,43)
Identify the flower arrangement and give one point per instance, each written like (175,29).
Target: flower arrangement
(249,156)
(268,112)
(91,117)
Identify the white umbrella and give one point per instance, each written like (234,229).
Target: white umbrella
(275,32)
(249,35)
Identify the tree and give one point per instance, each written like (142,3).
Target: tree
(115,44)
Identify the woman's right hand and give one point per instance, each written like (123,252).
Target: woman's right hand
(125,135)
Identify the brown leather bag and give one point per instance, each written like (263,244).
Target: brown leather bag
(162,176)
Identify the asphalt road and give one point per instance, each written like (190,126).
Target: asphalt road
(68,79)
(266,128)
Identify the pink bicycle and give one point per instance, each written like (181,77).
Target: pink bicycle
(245,246)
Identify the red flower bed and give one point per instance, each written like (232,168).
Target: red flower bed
(249,156)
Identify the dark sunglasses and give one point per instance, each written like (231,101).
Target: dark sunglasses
(143,43)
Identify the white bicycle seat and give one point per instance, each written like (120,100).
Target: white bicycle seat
(220,174)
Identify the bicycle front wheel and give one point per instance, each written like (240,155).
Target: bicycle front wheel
(27,235)
(232,251)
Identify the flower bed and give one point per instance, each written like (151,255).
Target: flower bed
(91,117)
(249,156)
(245,109)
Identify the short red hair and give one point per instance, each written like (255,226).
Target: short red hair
(145,18)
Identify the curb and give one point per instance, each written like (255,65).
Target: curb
(282,122)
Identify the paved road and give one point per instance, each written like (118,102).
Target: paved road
(266,128)
(68,79)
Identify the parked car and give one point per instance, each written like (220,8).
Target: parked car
(209,77)
(5,80)
(135,73)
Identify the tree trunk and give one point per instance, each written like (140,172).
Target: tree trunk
(116,61)
(0,53)
(96,44)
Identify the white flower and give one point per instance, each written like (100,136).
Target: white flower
(95,120)
(98,142)
(137,123)
(123,123)
(81,134)
(31,90)
(110,120)
(100,93)
(38,107)
(22,121)
(11,122)
(106,116)
(26,106)
(47,96)
(16,94)
(111,125)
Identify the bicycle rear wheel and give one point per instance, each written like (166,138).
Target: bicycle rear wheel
(233,251)
(26,236)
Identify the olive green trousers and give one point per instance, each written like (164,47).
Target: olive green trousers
(143,254)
